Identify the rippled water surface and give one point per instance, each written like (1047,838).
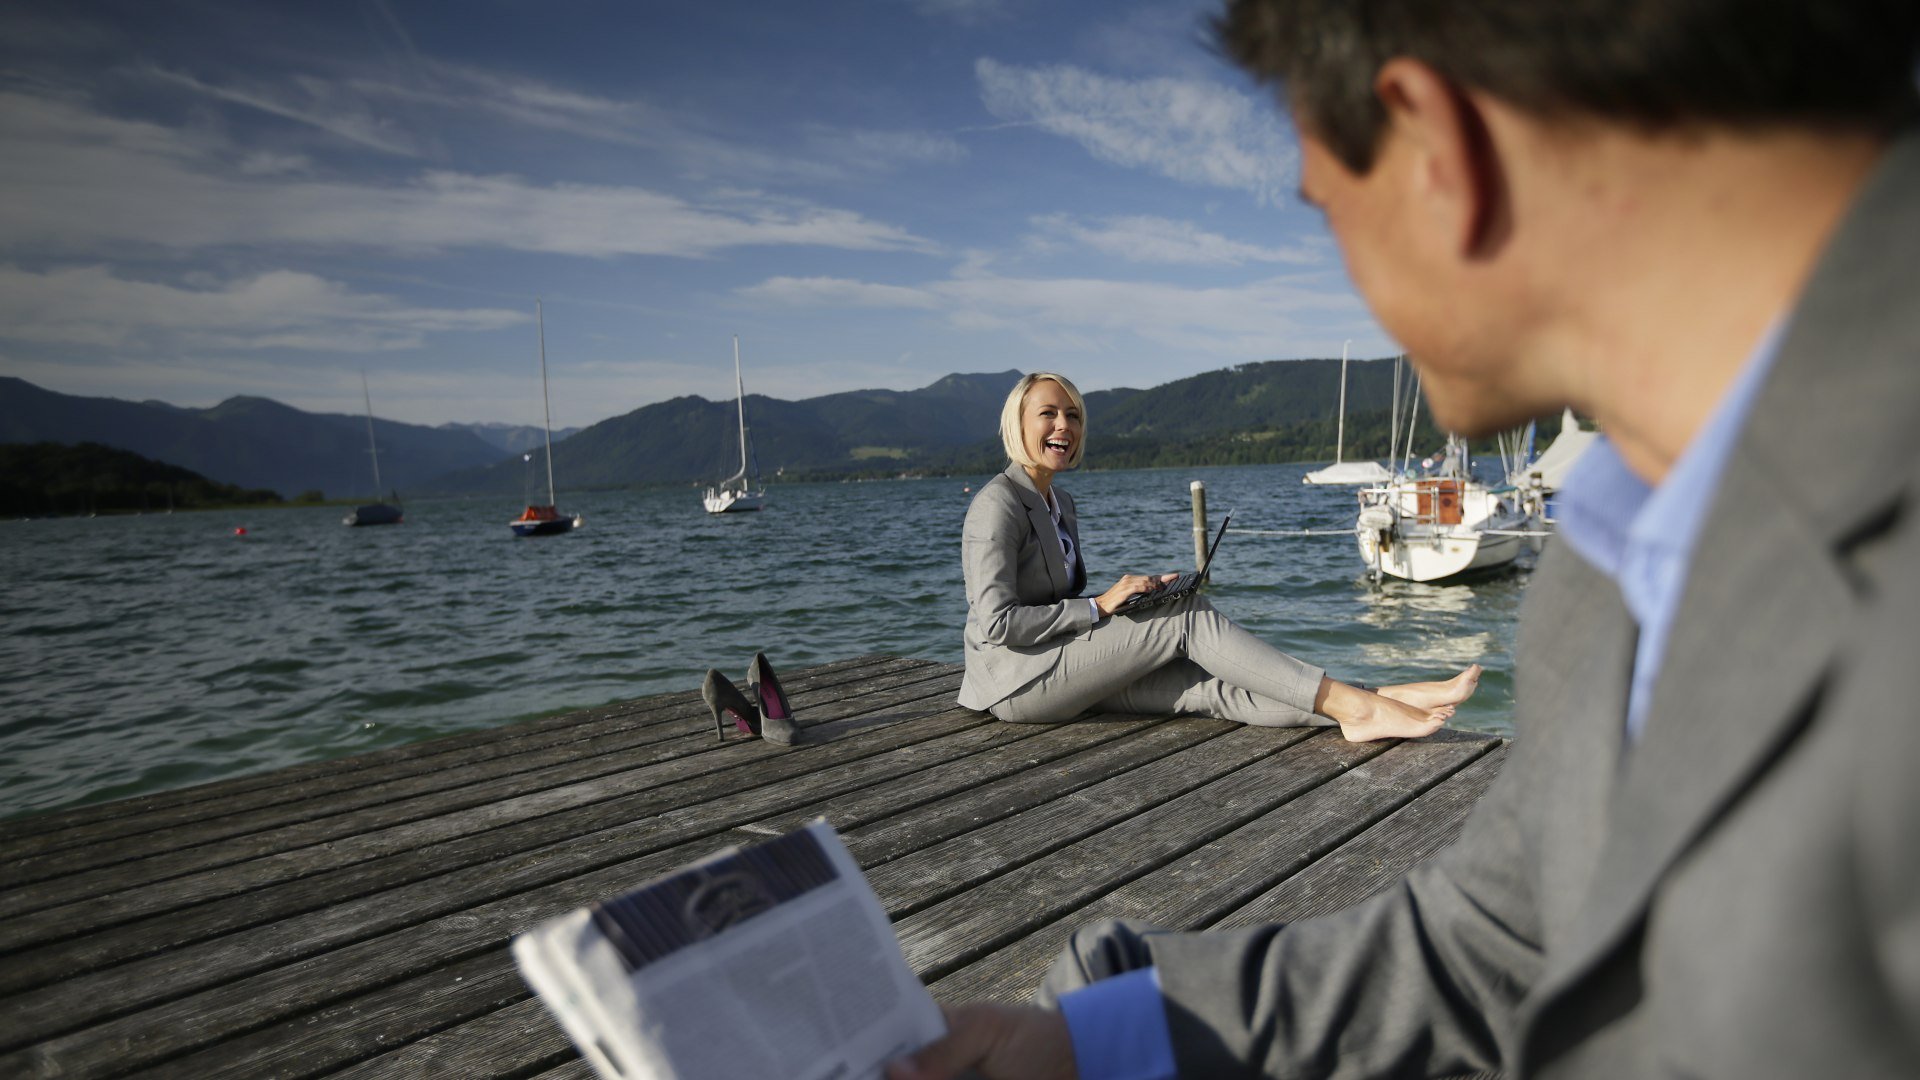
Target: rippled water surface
(144,653)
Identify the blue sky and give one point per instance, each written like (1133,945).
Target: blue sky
(205,198)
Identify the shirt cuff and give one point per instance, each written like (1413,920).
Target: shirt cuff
(1119,1028)
(1095,604)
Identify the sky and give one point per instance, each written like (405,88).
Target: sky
(203,198)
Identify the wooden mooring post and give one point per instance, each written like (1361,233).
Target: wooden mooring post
(1198,489)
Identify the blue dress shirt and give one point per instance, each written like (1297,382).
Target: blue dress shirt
(1641,537)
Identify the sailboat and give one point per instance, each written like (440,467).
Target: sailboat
(544,520)
(1428,528)
(1343,471)
(373,513)
(1541,478)
(737,492)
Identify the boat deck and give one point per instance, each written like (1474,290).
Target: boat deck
(350,917)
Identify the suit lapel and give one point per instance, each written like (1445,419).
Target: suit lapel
(1574,658)
(1764,612)
(1042,522)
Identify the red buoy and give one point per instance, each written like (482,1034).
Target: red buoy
(239,530)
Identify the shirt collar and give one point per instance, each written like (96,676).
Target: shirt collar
(1605,508)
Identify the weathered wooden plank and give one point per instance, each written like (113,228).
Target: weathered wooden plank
(309,846)
(931,874)
(356,1028)
(392,961)
(919,811)
(989,914)
(1086,753)
(577,1069)
(1378,857)
(158,828)
(514,1041)
(137,809)
(1197,889)
(198,844)
(621,829)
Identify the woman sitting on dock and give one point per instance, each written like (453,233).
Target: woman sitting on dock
(1039,652)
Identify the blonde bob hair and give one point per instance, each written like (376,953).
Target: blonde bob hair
(1010,433)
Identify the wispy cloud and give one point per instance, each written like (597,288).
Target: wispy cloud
(1254,320)
(81,182)
(1163,241)
(95,307)
(881,150)
(316,103)
(1191,131)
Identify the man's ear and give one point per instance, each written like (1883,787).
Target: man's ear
(1452,166)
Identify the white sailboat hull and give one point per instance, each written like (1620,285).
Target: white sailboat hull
(1435,529)
(1437,553)
(733,502)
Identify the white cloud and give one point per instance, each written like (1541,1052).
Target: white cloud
(94,307)
(866,150)
(1089,315)
(75,181)
(838,292)
(316,103)
(1161,240)
(1191,131)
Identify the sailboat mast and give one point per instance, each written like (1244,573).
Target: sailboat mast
(372,447)
(546,405)
(1340,429)
(740,395)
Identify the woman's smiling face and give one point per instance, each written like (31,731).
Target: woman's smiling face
(1050,425)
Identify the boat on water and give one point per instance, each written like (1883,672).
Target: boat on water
(373,513)
(1343,471)
(1432,528)
(545,520)
(1541,478)
(742,491)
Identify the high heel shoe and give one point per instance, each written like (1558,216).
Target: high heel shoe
(727,702)
(776,716)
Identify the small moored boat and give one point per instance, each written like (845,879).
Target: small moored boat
(545,520)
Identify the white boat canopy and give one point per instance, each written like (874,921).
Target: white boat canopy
(1349,472)
(1557,460)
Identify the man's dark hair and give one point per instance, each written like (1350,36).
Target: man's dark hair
(1658,64)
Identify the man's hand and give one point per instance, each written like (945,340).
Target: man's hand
(1000,1042)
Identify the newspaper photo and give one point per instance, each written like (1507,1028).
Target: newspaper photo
(773,961)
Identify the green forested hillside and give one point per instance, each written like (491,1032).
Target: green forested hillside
(49,478)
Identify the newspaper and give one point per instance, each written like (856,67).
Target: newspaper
(771,961)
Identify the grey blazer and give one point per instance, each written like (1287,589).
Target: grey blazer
(1737,895)
(1022,601)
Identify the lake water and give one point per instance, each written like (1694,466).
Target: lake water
(144,653)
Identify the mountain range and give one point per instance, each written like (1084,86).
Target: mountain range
(1279,410)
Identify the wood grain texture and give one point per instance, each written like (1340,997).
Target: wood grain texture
(351,918)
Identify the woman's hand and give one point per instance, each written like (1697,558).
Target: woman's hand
(1129,586)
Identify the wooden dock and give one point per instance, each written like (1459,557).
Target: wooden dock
(350,917)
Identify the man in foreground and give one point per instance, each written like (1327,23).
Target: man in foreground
(1697,221)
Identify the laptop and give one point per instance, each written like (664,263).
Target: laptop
(1186,583)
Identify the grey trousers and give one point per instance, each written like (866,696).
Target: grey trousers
(1179,658)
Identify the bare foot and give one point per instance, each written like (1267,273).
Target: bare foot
(1364,716)
(1385,718)
(1432,695)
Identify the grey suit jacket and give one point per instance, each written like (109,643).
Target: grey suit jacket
(1739,893)
(1021,598)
